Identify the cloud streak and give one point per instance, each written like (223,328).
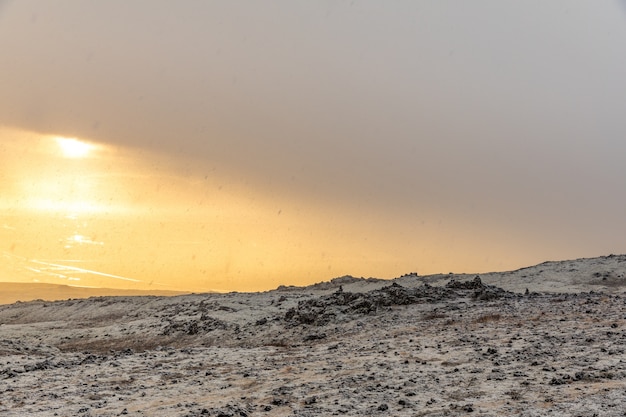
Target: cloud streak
(74,269)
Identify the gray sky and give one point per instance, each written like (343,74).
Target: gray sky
(502,116)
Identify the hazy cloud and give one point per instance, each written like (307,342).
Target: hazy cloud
(503,113)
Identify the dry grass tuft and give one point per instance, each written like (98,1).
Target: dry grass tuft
(434,315)
(119,344)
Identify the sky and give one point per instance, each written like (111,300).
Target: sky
(232,145)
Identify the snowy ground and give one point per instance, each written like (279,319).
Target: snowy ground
(349,347)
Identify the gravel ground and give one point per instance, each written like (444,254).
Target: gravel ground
(351,347)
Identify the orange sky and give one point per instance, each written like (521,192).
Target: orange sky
(230,146)
(88,214)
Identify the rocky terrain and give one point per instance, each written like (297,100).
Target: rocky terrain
(546,340)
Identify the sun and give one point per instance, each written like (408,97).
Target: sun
(73,148)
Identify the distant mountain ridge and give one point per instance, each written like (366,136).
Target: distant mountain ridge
(604,273)
(10,292)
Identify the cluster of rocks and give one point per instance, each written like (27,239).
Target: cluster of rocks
(204,324)
(322,310)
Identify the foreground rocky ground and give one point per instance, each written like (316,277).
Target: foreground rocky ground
(350,347)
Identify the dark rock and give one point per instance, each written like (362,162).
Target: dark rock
(319,336)
(38,366)
(475,284)
(558,381)
(322,310)
(468,408)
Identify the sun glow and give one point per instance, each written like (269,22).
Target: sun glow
(74,148)
(75,211)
